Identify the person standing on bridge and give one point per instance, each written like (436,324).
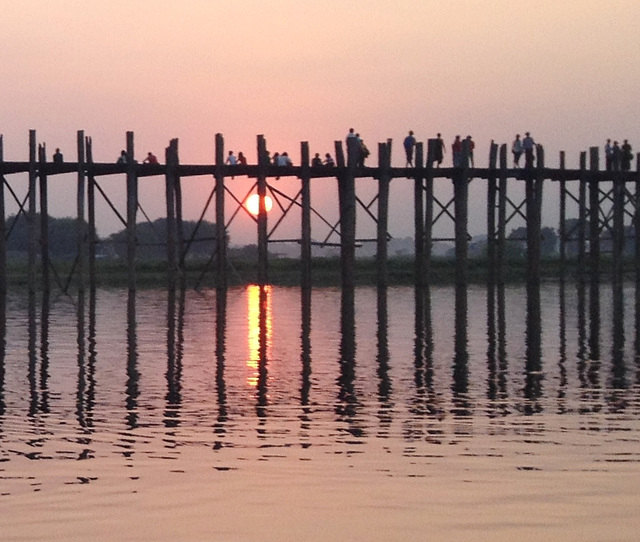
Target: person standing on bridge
(627,156)
(456,151)
(409,144)
(528,144)
(439,150)
(608,154)
(516,149)
(615,156)
(470,146)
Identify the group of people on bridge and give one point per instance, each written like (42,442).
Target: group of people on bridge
(618,158)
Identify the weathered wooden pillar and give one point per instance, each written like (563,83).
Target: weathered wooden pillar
(594,217)
(582,217)
(44,217)
(418,217)
(491,212)
(132,209)
(31,215)
(428,209)
(460,203)
(263,239)
(384,180)
(91,214)
(80,223)
(305,226)
(502,215)
(562,228)
(180,237)
(3,235)
(347,198)
(221,230)
(171,172)
(618,227)
(534,182)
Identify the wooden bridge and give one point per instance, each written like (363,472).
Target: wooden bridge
(604,200)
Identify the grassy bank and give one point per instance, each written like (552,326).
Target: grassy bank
(286,272)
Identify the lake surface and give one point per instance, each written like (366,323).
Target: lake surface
(272,415)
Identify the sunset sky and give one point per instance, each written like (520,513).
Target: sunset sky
(307,71)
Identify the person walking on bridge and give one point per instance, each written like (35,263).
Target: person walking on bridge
(409,144)
(528,144)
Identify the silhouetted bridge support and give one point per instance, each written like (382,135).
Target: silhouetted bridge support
(604,199)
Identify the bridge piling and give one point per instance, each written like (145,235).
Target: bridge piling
(305,218)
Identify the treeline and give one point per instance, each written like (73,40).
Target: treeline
(199,238)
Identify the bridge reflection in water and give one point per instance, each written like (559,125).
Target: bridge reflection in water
(515,377)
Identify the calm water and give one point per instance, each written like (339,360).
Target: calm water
(275,416)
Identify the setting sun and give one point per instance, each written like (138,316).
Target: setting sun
(253,204)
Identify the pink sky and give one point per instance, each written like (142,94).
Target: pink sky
(307,71)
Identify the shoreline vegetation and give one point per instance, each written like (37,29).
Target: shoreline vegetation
(286,272)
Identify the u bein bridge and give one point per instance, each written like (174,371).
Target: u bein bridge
(604,200)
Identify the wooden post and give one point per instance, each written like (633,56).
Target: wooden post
(44,217)
(31,215)
(384,165)
(171,161)
(618,227)
(502,214)
(3,236)
(534,213)
(461,197)
(177,191)
(428,210)
(221,231)
(594,217)
(262,213)
(582,217)
(491,212)
(132,208)
(347,197)
(305,226)
(562,230)
(418,217)
(91,214)
(80,224)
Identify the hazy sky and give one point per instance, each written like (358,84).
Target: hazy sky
(566,70)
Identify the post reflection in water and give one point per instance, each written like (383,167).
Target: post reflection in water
(347,398)
(533,367)
(425,402)
(44,351)
(384,384)
(562,358)
(221,391)
(305,346)
(260,325)
(3,348)
(133,376)
(496,351)
(33,357)
(175,342)
(618,369)
(460,387)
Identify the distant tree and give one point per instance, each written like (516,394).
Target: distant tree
(62,235)
(548,241)
(199,239)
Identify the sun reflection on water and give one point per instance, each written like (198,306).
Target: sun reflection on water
(259,329)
